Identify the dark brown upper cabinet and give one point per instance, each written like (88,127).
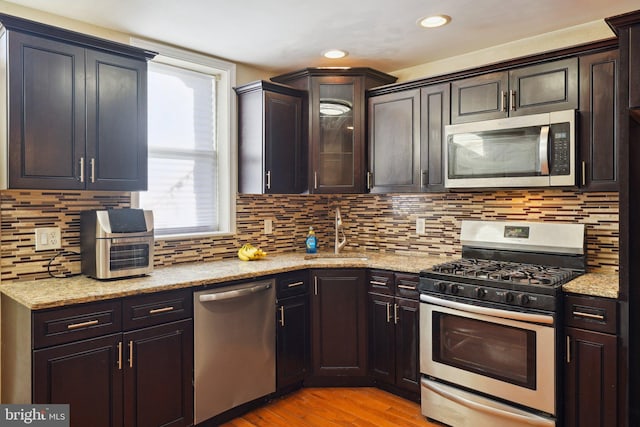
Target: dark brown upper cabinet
(550,86)
(634,69)
(337,124)
(272,141)
(598,121)
(394,142)
(406,136)
(77,110)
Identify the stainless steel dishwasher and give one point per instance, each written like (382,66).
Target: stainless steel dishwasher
(234,341)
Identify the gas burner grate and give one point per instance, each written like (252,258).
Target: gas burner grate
(504,271)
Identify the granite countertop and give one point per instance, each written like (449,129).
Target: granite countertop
(49,293)
(604,285)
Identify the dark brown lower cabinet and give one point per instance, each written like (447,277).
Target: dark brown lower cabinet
(158,375)
(591,398)
(393,342)
(382,330)
(139,378)
(591,365)
(339,326)
(84,375)
(117,363)
(407,348)
(292,341)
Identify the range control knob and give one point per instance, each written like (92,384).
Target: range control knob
(442,286)
(524,299)
(454,288)
(508,297)
(481,292)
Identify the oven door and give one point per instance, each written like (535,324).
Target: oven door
(506,354)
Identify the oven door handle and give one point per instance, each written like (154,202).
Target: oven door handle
(476,406)
(495,312)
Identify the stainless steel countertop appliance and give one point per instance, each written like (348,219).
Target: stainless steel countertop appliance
(116,243)
(489,324)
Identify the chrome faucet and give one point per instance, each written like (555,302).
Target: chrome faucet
(339,244)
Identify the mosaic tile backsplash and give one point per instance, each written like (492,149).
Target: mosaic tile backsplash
(384,223)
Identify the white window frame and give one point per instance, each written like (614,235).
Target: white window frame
(227,138)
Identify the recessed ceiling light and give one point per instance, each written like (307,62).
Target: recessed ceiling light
(334,54)
(434,21)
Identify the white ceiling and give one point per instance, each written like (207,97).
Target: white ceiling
(285,35)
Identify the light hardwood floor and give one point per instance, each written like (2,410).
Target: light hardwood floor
(315,407)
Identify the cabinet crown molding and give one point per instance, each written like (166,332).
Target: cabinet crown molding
(14,23)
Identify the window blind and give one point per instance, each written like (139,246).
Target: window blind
(183,163)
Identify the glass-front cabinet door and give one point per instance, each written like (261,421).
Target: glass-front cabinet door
(338,154)
(337,111)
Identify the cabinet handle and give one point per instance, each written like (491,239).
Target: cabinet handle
(584,173)
(93,170)
(83,324)
(131,354)
(315,180)
(369,180)
(588,315)
(81,169)
(161,310)
(282,316)
(395,313)
(410,288)
(294,284)
(424,177)
(315,285)
(503,100)
(120,355)
(268,180)
(388,313)
(568,349)
(378,283)
(513,99)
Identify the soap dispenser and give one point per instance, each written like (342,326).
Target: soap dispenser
(311,242)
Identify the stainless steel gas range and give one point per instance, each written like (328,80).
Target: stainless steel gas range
(489,324)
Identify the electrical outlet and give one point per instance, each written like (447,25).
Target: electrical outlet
(48,238)
(268,226)
(420,226)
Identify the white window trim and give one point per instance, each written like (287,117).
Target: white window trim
(227,128)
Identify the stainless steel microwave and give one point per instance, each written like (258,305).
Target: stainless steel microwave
(526,151)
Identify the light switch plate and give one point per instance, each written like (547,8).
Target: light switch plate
(48,238)
(420,226)
(268,226)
